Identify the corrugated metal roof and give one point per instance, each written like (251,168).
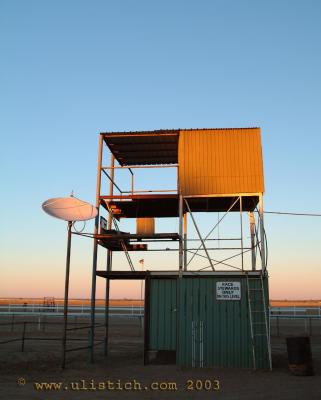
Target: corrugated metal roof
(144,148)
(220,161)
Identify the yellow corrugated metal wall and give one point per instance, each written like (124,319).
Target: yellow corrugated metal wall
(220,161)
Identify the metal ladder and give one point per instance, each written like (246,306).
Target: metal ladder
(255,317)
(123,245)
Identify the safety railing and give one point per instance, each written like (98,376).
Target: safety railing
(24,337)
(104,169)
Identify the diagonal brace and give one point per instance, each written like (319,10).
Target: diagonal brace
(212,230)
(199,234)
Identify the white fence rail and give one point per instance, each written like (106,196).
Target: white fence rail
(135,311)
(57,310)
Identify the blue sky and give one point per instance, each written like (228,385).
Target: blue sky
(69,70)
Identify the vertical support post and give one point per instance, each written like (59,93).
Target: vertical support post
(23,336)
(141,282)
(262,236)
(95,253)
(132,181)
(64,334)
(185,241)
(146,318)
(181,252)
(218,230)
(107,294)
(252,231)
(109,259)
(111,186)
(241,221)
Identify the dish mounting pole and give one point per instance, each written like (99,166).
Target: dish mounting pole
(64,336)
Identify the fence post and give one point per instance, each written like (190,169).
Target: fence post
(23,336)
(277,327)
(310,326)
(12,323)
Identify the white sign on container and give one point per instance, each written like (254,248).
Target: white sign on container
(227,290)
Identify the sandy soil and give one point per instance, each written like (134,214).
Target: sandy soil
(40,362)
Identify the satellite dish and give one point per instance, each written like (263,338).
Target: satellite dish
(69,209)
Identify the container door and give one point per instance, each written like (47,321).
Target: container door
(162,321)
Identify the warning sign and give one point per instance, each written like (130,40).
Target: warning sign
(228,290)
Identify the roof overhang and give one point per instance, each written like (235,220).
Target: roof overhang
(144,148)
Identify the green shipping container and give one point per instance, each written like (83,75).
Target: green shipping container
(206,320)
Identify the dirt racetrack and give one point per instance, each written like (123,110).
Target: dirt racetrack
(40,363)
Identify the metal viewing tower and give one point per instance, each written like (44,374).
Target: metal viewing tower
(216,315)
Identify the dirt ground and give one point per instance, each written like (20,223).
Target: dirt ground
(40,362)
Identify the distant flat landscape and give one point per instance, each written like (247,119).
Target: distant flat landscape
(137,302)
